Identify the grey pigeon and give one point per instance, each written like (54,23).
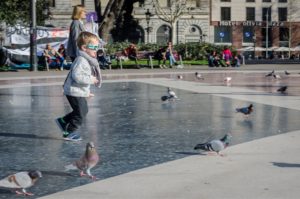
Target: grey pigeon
(282,89)
(171,93)
(198,76)
(21,181)
(287,73)
(179,77)
(270,74)
(245,110)
(214,145)
(89,160)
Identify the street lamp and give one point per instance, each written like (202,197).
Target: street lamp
(148,29)
(267,30)
(254,44)
(33,36)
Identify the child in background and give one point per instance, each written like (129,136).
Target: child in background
(84,72)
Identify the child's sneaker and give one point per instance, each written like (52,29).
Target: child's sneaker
(72,137)
(61,124)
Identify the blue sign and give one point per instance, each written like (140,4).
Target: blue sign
(91,17)
(247,34)
(222,34)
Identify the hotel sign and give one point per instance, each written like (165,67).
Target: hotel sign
(250,23)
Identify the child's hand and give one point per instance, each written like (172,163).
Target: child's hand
(91,95)
(95,80)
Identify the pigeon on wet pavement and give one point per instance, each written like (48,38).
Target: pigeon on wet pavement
(245,110)
(287,73)
(198,76)
(88,161)
(21,181)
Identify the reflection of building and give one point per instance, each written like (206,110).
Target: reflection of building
(243,22)
(192,26)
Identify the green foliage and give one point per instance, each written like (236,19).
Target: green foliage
(15,11)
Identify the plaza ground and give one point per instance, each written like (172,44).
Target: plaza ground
(264,168)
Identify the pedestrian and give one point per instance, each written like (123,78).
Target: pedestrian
(76,28)
(84,72)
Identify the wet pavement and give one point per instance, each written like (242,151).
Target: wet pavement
(129,124)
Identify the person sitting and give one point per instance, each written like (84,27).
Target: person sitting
(227,56)
(131,53)
(54,59)
(159,55)
(103,60)
(170,55)
(62,51)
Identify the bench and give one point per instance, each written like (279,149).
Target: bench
(149,55)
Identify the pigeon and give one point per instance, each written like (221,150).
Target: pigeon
(245,110)
(179,77)
(198,75)
(270,74)
(282,89)
(89,160)
(287,73)
(276,76)
(227,79)
(172,94)
(21,181)
(214,145)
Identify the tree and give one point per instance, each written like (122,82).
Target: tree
(117,19)
(171,14)
(15,11)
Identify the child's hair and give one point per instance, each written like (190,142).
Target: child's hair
(85,38)
(77,10)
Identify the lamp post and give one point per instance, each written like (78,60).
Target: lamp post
(254,44)
(267,30)
(33,35)
(148,29)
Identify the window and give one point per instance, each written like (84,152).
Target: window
(225,14)
(282,14)
(225,0)
(77,2)
(265,12)
(267,1)
(250,14)
(51,3)
(198,3)
(248,33)
(222,34)
(282,1)
(283,37)
(249,1)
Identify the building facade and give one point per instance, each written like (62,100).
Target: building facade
(191,26)
(260,23)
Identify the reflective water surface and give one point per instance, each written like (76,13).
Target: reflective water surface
(128,123)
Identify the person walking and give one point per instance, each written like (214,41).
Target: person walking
(84,72)
(76,28)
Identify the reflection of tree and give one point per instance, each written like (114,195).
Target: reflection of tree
(170,14)
(293,6)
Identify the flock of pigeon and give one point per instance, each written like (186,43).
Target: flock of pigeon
(218,145)
(22,180)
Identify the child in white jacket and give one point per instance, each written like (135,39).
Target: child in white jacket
(84,72)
